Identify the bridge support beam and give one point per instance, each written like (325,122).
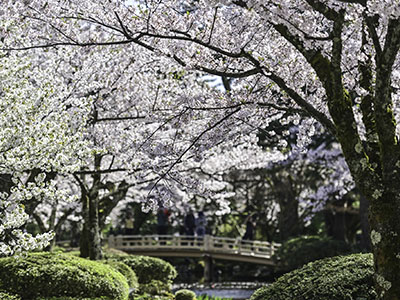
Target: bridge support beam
(208,268)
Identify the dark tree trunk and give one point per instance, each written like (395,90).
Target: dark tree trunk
(84,236)
(288,217)
(110,201)
(365,242)
(90,240)
(94,238)
(342,220)
(52,225)
(385,240)
(335,225)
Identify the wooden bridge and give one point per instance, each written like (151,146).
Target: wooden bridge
(259,252)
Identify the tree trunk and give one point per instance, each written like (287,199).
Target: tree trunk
(52,225)
(288,217)
(335,225)
(385,240)
(84,236)
(94,239)
(90,241)
(365,231)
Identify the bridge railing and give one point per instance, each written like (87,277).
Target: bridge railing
(205,244)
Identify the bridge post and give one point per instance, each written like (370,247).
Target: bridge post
(111,241)
(207,242)
(208,268)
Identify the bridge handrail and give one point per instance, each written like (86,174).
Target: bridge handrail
(207,243)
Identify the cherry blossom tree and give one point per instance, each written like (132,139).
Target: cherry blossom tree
(333,60)
(123,120)
(42,133)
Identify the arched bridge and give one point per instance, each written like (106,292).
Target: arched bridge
(259,252)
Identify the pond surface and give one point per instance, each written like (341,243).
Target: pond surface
(234,290)
(226,293)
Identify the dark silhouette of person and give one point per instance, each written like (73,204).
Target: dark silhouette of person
(201,224)
(189,223)
(129,224)
(250,224)
(162,221)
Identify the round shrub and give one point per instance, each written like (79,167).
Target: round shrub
(185,295)
(49,275)
(336,278)
(7,296)
(296,252)
(168,296)
(110,252)
(149,268)
(125,270)
(154,287)
(72,298)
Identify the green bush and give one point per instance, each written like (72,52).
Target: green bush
(336,278)
(154,287)
(149,268)
(296,252)
(111,252)
(185,295)
(154,275)
(7,296)
(72,298)
(146,296)
(49,275)
(125,270)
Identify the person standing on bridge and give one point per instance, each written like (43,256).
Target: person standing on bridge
(129,224)
(189,223)
(201,224)
(162,223)
(250,226)
(162,220)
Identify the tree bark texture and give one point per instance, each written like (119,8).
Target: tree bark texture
(90,240)
(95,251)
(288,217)
(365,230)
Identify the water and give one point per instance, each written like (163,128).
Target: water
(225,293)
(234,290)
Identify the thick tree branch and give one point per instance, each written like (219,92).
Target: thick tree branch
(320,64)
(323,9)
(372,23)
(63,218)
(89,172)
(322,118)
(368,116)
(40,223)
(383,105)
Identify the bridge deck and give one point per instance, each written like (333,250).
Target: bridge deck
(189,246)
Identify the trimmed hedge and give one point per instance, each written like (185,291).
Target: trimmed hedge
(336,278)
(47,275)
(296,252)
(185,294)
(154,287)
(125,270)
(72,298)
(149,268)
